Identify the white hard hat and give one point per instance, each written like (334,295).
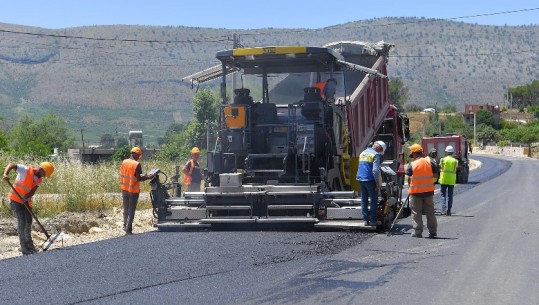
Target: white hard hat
(381,144)
(449,149)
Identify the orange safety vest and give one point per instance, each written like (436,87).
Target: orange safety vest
(421,179)
(187,180)
(128,180)
(321,86)
(24,187)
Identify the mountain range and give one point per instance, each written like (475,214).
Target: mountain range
(113,79)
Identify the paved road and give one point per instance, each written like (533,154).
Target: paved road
(486,254)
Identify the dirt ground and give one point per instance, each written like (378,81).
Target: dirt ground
(76,228)
(80,228)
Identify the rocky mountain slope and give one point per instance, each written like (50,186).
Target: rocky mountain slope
(107,79)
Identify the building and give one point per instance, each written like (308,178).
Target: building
(96,154)
(470,109)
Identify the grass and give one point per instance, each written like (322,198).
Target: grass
(77,187)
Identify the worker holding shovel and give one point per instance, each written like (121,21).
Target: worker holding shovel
(28,180)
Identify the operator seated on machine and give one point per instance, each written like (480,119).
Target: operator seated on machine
(327,89)
(242,97)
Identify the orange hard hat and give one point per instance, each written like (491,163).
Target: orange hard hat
(48,168)
(415,148)
(136,150)
(195,150)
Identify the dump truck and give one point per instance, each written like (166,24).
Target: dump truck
(288,140)
(462,148)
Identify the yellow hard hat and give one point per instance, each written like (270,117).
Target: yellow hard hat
(415,148)
(136,150)
(48,168)
(195,150)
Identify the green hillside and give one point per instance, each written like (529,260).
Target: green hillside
(108,79)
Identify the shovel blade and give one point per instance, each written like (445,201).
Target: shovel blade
(50,241)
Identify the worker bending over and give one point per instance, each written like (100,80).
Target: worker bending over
(28,180)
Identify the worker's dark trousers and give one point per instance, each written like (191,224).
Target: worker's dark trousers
(24,225)
(446,193)
(130,205)
(193,187)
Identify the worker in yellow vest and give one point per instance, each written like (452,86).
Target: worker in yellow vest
(421,172)
(448,179)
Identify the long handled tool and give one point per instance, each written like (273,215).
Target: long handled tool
(50,239)
(407,201)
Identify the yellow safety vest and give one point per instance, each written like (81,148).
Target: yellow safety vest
(448,170)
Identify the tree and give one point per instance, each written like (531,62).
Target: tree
(180,139)
(484,117)
(449,108)
(107,140)
(205,106)
(413,108)
(485,133)
(525,95)
(398,92)
(39,138)
(455,124)
(173,129)
(3,141)
(121,153)
(122,142)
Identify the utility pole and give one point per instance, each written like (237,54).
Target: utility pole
(235,44)
(511,108)
(474,130)
(82,137)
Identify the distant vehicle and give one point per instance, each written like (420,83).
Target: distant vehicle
(431,110)
(460,144)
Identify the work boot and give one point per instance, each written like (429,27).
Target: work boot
(26,251)
(30,246)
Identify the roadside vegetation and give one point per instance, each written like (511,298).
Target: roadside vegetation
(518,124)
(78,187)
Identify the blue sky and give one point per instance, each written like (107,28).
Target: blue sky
(241,14)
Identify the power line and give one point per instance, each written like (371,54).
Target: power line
(227,38)
(395,23)
(115,39)
(463,55)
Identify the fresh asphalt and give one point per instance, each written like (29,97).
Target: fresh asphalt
(485,254)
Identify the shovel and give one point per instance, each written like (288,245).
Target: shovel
(50,239)
(398,214)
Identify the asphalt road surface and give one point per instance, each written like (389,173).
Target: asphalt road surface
(487,253)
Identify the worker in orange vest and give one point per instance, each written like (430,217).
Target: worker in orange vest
(327,89)
(130,177)
(28,180)
(421,172)
(191,171)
